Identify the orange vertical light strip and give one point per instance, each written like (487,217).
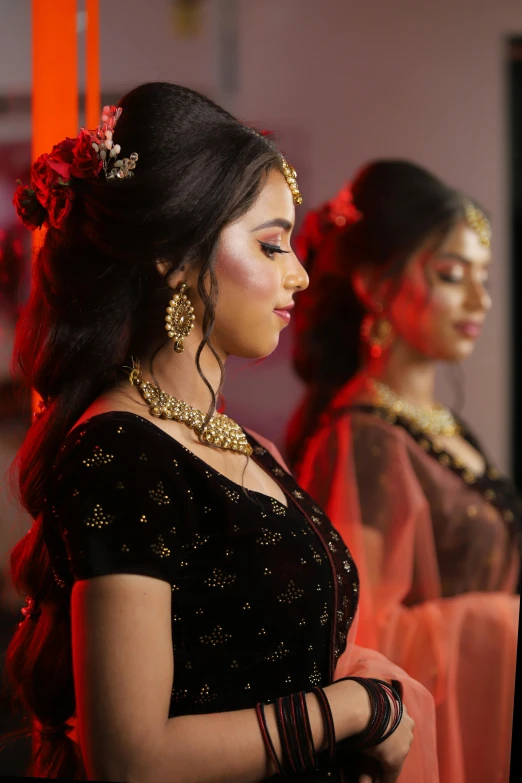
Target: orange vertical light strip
(92,90)
(55,80)
(55,73)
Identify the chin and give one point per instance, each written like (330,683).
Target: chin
(254,350)
(457,354)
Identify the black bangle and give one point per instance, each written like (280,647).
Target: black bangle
(304,731)
(287,760)
(399,708)
(269,745)
(328,720)
(380,717)
(298,762)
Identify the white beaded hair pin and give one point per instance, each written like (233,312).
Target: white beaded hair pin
(107,151)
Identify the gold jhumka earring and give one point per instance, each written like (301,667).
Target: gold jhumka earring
(180,318)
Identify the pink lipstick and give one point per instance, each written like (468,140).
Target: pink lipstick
(469,328)
(284,312)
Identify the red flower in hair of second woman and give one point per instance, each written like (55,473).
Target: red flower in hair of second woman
(61,157)
(60,205)
(341,208)
(29,209)
(86,163)
(43,178)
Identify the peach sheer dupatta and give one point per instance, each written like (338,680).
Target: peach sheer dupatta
(421,764)
(462,649)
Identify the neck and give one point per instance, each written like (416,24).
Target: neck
(177,374)
(407,372)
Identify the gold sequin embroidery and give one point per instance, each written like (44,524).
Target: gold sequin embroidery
(205,695)
(279,653)
(232,494)
(159,547)
(159,495)
(268,537)
(99,458)
(291,594)
(196,541)
(315,677)
(99,519)
(220,579)
(218,636)
(278,507)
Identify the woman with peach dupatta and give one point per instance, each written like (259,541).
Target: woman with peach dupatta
(398,266)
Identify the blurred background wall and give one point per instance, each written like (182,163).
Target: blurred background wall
(341,82)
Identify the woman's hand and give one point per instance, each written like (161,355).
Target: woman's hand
(391,754)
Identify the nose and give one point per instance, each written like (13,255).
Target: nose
(296,277)
(478,296)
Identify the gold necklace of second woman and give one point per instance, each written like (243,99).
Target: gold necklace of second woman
(429,419)
(220,430)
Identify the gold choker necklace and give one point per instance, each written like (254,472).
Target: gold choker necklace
(221,431)
(430,419)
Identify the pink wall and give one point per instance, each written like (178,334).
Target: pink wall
(424,79)
(343,81)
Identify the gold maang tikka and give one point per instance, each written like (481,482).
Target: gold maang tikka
(288,171)
(180,318)
(478,222)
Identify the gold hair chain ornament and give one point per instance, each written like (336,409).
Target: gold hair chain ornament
(180,318)
(290,174)
(430,419)
(221,431)
(288,171)
(478,222)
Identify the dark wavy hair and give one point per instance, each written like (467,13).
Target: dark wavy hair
(400,205)
(97,298)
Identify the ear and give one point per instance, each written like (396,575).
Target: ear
(369,289)
(173,278)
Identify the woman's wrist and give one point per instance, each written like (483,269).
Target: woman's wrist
(351,707)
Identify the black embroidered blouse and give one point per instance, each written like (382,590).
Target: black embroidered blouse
(262,595)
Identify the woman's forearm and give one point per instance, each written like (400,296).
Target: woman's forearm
(227,747)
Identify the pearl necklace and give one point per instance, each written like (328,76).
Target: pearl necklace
(221,431)
(430,419)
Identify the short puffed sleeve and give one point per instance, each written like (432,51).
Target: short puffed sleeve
(113,501)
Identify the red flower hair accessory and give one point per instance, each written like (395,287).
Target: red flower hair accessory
(341,209)
(48,199)
(334,214)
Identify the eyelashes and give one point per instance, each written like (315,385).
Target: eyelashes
(269,250)
(448,277)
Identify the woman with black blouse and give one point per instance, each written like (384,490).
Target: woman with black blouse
(187,602)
